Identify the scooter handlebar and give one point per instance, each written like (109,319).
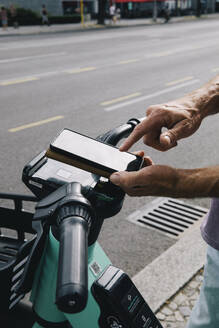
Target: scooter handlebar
(72,283)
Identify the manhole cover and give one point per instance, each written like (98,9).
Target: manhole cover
(168,215)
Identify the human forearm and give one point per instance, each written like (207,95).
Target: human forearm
(182,117)
(202,182)
(162,180)
(204,99)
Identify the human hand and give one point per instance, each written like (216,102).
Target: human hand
(180,120)
(162,180)
(147,160)
(153,180)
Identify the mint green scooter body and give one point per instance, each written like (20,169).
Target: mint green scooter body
(44,287)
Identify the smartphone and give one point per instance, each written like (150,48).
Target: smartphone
(91,155)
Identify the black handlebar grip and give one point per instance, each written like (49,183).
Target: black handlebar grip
(72,283)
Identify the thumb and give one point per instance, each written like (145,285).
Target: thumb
(168,139)
(182,129)
(124,179)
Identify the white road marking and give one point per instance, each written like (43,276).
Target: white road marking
(152,95)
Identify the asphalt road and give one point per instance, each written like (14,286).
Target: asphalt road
(94,81)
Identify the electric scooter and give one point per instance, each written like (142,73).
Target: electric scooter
(71,281)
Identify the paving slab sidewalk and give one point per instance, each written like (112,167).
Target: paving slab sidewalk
(176,311)
(92,25)
(171,283)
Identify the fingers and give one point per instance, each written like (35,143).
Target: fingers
(150,129)
(181,130)
(155,180)
(180,122)
(139,153)
(147,160)
(125,180)
(159,141)
(167,140)
(139,131)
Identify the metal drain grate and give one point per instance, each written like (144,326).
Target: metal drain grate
(168,215)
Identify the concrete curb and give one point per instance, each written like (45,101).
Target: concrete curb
(168,273)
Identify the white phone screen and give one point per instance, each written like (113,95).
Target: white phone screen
(92,150)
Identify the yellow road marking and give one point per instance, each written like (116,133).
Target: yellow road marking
(10,82)
(80,70)
(113,101)
(129,61)
(162,54)
(187,78)
(30,125)
(216,69)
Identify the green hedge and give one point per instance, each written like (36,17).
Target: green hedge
(26,17)
(65,19)
(29,17)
